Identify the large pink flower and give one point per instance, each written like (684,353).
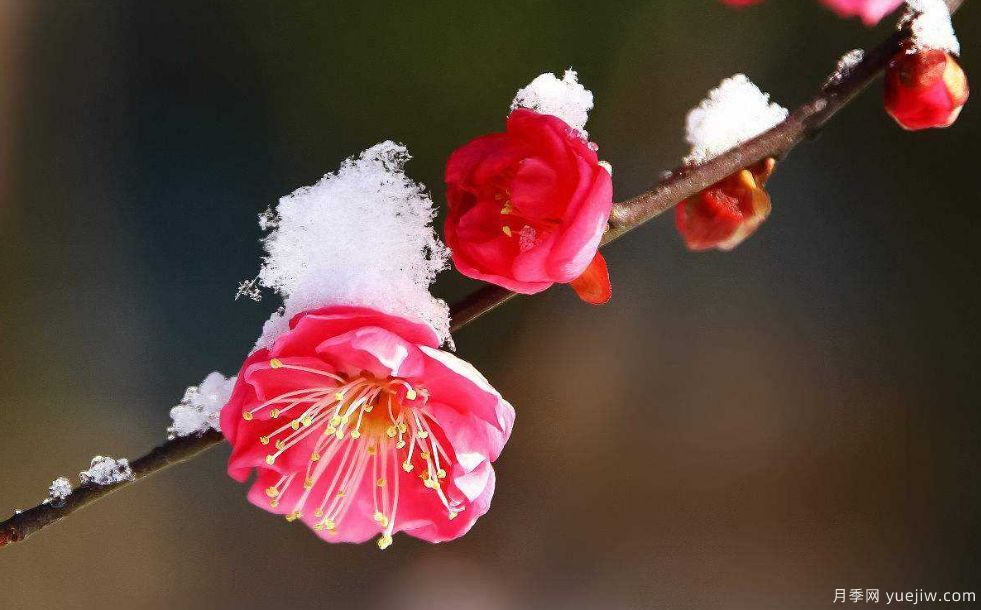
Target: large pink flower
(871,11)
(528,207)
(357,424)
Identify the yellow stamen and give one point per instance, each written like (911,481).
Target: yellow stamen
(507,230)
(247,415)
(272,492)
(384,542)
(275,363)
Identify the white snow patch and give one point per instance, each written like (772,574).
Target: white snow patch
(59,489)
(362,236)
(106,471)
(565,99)
(200,408)
(929,23)
(846,64)
(734,112)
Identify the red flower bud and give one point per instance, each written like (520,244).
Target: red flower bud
(726,213)
(925,89)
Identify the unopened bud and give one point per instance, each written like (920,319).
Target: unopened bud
(726,213)
(925,89)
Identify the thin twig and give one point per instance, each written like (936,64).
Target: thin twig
(804,122)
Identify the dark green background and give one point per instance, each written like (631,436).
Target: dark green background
(743,430)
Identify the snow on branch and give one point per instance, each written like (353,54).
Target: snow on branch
(930,26)
(105,470)
(200,408)
(734,112)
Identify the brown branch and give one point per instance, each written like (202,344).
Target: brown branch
(627,215)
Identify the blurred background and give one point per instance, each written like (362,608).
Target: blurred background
(744,430)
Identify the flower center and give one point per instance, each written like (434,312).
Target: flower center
(519,225)
(359,424)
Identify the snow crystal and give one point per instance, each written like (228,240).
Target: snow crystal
(60,489)
(734,112)
(527,238)
(106,471)
(845,66)
(929,23)
(249,289)
(565,99)
(200,409)
(267,219)
(361,236)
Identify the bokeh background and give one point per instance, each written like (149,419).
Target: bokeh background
(744,430)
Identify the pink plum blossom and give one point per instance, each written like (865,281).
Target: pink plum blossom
(356,424)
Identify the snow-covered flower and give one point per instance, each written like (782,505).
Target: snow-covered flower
(353,419)
(105,470)
(925,86)
(528,207)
